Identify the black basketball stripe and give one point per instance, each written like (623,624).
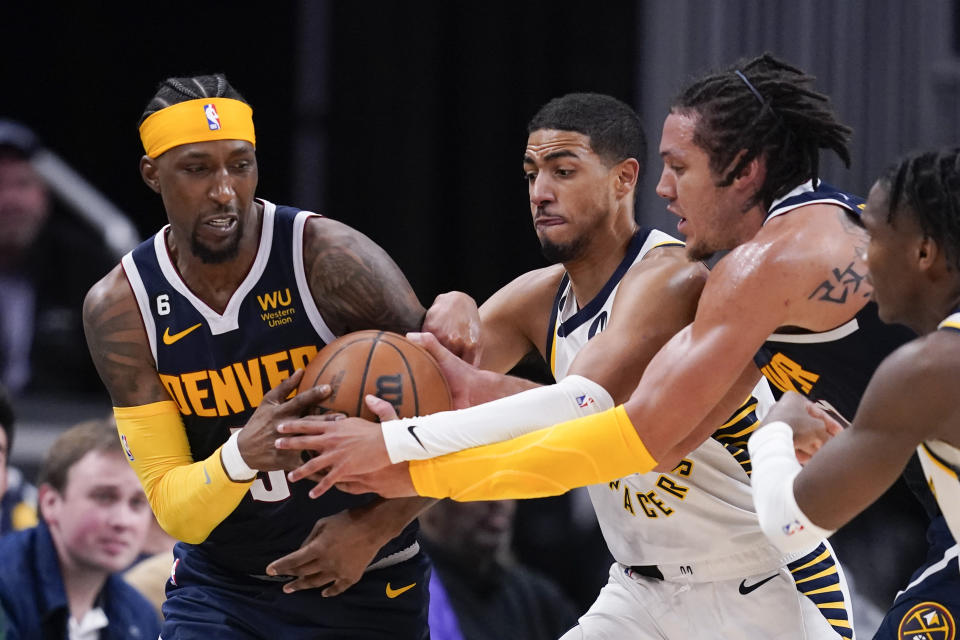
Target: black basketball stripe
(413,381)
(333,357)
(366,370)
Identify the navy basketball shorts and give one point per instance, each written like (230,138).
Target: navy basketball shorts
(205,602)
(929,608)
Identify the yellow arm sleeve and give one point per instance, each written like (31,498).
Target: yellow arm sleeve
(189,498)
(590,450)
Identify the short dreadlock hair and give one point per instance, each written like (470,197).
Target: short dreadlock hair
(767,108)
(927,184)
(176,90)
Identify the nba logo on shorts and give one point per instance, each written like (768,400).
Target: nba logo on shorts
(213,118)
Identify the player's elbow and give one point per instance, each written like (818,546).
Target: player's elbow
(177,522)
(182,530)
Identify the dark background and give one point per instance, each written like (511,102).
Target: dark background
(407,119)
(420,108)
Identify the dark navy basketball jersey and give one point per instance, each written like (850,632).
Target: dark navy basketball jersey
(833,366)
(217,367)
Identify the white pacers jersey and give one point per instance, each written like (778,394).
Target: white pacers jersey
(701,511)
(941,461)
(941,465)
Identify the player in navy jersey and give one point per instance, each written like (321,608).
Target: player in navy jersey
(200,336)
(740,150)
(687,544)
(913,220)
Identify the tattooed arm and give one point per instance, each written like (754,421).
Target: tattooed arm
(355,284)
(118,343)
(189,497)
(847,277)
(760,287)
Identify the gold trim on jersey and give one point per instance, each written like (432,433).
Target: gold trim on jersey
(553,347)
(933,457)
(667,243)
(817,577)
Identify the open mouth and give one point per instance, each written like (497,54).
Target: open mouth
(218,227)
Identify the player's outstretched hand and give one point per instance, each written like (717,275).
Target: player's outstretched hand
(455,320)
(812,424)
(334,555)
(390,482)
(463,379)
(257,437)
(344,448)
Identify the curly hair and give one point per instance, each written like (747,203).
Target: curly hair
(927,184)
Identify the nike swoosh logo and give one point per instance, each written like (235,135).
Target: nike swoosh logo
(207,476)
(170,339)
(393,593)
(744,589)
(410,429)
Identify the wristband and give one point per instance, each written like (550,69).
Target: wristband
(233,462)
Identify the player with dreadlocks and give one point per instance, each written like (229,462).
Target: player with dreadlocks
(913,220)
(740,152)
(200,335)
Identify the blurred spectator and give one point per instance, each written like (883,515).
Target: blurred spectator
(18,498)
(565,527)
(151,572)
(476,590)
(48,261)
(58,579)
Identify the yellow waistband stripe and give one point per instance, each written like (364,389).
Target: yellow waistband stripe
(199,120)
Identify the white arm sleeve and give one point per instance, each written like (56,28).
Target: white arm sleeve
(775,467)
(449,431)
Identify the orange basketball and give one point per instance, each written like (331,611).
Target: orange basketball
(381,363)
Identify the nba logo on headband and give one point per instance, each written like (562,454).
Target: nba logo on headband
(213,118)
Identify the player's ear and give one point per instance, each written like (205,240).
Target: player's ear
(927,253)
(752,174)
(627,174)
(150,172)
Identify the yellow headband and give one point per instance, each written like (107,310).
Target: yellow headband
(198,120)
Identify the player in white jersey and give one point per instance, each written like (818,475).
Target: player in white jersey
(692,561)
(910,405)
(687,543)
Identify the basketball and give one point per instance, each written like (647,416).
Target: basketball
(380,363)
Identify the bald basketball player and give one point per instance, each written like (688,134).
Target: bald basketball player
(200,336)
